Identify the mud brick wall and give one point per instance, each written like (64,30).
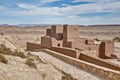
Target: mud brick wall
(46,42)
(65,51)
(106,49)
(70,32)
(105,73)
(32,46)
(98,62)
(56,43)
(48,32)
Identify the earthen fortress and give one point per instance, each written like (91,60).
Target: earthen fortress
(65,40)
(68,36)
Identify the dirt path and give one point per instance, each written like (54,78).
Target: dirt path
(67,68)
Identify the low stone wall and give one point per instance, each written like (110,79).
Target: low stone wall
(65,51)
(106,73)
(32,46)
(98,62)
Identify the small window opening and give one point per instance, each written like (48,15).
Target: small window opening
(58,44)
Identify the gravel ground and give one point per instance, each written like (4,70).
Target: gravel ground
(69,69)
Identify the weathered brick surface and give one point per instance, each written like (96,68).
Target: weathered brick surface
(46,42)
(65,51)
(98,61)
(106,49)
(107,74)
(32,46)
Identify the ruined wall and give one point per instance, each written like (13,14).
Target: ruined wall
(98,62)
(56,31)
(32,46)
(73,53)
(57,43)
(48,32)
(70,36)
(106,49)
(70,32)
(46,42)
(106,73)
(81,44)
(59,29)
(84,44)
(67,44)
(53,31)
(65,51)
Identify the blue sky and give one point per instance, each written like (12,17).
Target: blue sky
(83,12)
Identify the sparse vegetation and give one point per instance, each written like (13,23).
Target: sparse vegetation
(35,57)
(7,51)
(30,63)
(20,54)
(3,59)
(96,39)
(117,39)
(1,34)
(67,77)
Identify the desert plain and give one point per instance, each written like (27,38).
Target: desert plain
(18,36)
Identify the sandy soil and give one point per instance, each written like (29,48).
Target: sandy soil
(33,34)
(72,70)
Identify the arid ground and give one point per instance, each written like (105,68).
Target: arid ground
(16,38)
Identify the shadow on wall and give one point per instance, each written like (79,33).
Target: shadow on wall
(98,62)
(32,46)
(73,53)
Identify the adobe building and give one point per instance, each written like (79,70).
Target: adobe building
(65,40)
(68,36)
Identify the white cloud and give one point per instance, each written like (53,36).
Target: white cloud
(97,1)
(2,7)
(33,10)
(70,9)
(48,1)
(68,13)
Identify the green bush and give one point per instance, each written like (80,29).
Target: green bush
(30,63)
(117,39)
(3,59)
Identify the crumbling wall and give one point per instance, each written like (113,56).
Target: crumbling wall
(46,42)
(106,73)
(70,32)
(56,43)
(65,51)
(97,61)
(32,46)
(48,32)
(106,49)
(81,44)
(56,32)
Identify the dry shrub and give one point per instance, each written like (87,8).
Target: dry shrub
(7,51)
(3,59)
(1,33)
(117,39)
(67,77)
(19,54)
(30,63)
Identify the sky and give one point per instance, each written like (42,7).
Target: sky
(82,12)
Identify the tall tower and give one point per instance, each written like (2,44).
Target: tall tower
(70,35)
